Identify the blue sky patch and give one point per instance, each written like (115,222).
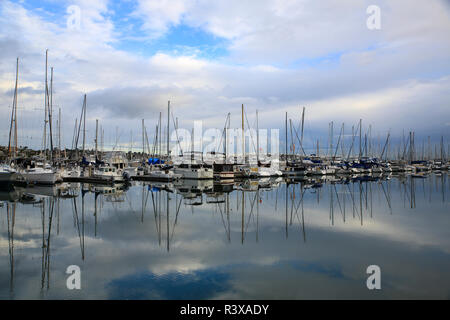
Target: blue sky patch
(178,41)
(198,285)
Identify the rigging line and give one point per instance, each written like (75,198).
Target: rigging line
(353,140)
(155,142)
(11,223)
(176,219)
(301,223)
(43,244)
(384,147)
(146,138)
(292,204)
(299,203)
(117,142)
(251,136)
(176,132)
(303,218)
(251,213)
(276,199)
(154,210)
(353,200)
(339,141)
(339,202)
(224,130)
(47,251)
(407,193)
(408,142)
(155,150)
(301,146)
(129,203)
(79,125)
(78,226)
(221,214)
(146,200)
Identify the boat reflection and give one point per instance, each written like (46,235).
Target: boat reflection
(245,211)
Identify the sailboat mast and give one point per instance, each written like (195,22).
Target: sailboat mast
(143,140)
(84,123)
(15,109)
(192,146)
(303,125)
(59,131)
(45,105)
(159,137)
(292,141)
(225,142)
(331,137)
(14,117)
(101,141)
(243,136)
(50,111)
(365,144)
(96,137)
(286,139)
(318,154)
(257,138)
(410,147)
(167,210)
(131,148)
(360,138)
(74,137)
(168,130)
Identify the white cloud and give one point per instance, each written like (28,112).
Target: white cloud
(159,15)
(404,72)
(283,31)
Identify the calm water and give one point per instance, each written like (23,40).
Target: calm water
(266,240)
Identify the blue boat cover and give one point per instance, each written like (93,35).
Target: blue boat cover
(155,161)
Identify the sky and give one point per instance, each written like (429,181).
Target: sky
(208,58)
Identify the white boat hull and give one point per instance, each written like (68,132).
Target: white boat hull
(196,174)
(161,175)
(108,178)
(269,172)
(41,177)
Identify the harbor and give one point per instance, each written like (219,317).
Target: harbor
(224,159)
(238,154)
(177,213)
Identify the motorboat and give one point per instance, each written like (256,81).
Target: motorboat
(41,175)
(194,171)
(108,174)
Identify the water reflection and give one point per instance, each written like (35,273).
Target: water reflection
(267,239)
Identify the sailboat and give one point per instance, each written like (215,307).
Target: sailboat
(269,168)
(43,173)
(245,169)
(193,169)
(8,174)
(222,170)
(159,171)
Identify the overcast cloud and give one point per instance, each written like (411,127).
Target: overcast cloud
(274,56)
